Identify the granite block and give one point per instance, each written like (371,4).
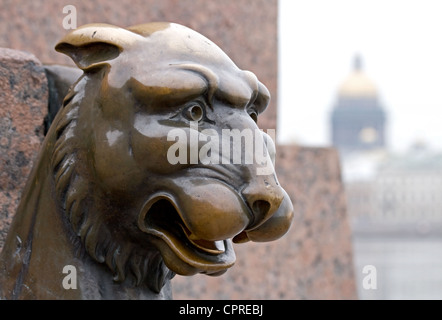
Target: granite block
(23,106)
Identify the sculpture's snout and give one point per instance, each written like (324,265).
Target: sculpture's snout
(272,212)
(277,225)
(263,199)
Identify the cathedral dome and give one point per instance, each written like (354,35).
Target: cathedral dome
(358,119)
(357,83)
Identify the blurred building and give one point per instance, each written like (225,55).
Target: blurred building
(399,193)
(393,200)
(358,119)
(396,219)
(410,185)
(381,187)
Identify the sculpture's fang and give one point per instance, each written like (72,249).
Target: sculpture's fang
(212,247)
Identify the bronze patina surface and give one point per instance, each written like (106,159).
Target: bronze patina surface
(104,197)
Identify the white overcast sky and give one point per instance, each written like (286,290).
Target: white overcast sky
(400,42)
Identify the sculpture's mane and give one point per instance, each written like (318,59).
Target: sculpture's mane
(89,232)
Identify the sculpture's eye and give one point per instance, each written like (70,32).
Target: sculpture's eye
(254,115)
(194,112)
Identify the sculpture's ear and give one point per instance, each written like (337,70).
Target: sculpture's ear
(93,44)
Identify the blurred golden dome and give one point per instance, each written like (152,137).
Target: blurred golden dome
(357,83)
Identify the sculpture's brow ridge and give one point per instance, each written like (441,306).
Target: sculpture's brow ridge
(208,75)
(212,81)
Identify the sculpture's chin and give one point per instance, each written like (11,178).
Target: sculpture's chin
(182,252)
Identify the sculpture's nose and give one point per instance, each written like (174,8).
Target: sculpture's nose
(274,224)
(263,199)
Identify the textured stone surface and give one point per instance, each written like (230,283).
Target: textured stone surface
(312,261)
(23,105)
(245,29)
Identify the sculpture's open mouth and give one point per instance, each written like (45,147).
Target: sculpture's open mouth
(182,251)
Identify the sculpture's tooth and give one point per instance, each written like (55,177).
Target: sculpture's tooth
(220,245)
(213,247)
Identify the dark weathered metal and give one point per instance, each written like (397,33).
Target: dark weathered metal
(104,197)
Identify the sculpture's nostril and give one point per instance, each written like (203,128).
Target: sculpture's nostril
(260,208)
(263,199)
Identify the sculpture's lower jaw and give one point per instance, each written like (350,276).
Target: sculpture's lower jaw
(189,261)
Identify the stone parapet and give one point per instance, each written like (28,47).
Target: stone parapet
(23,106)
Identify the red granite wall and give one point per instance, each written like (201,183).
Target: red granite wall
(245,29)
(23,105)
